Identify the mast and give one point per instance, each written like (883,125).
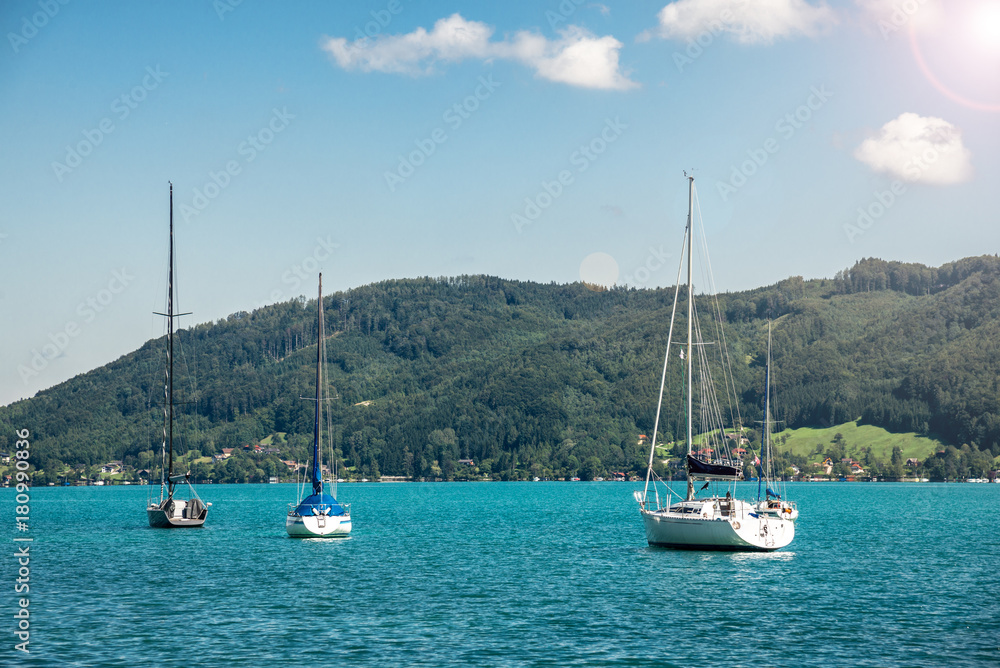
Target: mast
(767,394)
(663,381)
(317,479)
(690,358)
(170,349)
(766,472)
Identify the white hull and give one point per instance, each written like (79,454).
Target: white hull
(700,525)
(317,526)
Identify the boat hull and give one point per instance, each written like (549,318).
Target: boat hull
(318,526)
(161,517)
(744,533)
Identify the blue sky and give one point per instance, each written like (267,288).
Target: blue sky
(529,140)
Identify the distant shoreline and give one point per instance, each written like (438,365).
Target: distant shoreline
(397,481)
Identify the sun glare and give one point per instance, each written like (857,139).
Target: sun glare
(959,51)
(986,25)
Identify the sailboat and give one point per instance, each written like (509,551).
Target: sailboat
(712,522)
(772,504)
(319,515)
(171,511)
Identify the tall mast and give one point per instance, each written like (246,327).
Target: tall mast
(317,479)
(170,345)
(767,405)
(690,359)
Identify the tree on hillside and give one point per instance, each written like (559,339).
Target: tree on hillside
(592,468)
(896,463)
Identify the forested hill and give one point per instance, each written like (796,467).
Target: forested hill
(531,377)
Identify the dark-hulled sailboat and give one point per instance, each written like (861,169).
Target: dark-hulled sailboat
(170,511)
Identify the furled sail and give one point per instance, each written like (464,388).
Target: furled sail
(704,470)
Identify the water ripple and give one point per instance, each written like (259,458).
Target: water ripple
(511,574)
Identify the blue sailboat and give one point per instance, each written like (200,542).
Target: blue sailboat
(318,515)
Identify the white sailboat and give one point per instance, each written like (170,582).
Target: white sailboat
(713,522)
(171,511)
(772,505)
(319,515)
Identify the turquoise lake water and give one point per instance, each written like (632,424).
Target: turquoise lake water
(507,574)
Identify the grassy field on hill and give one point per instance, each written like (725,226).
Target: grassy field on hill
(805,441)
(810,441)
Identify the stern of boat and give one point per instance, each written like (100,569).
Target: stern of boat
(175,513)
(318,526)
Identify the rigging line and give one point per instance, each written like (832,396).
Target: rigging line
(663,377)
(329,396)
(182,368)
(712,411)
(774,400)
(738,422)
(711,415)
(704,379)
(696,335)
(711,283)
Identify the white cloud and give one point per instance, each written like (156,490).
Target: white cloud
(878,8)
(577,58)
(888,16)
(747,21)
(887,9)
(452,39)
(918,149)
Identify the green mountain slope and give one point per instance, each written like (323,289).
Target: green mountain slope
(550,379)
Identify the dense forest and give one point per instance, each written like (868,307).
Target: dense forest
(529,379)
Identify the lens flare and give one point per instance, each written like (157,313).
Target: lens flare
(985,26)
(599,271)
(966,43)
